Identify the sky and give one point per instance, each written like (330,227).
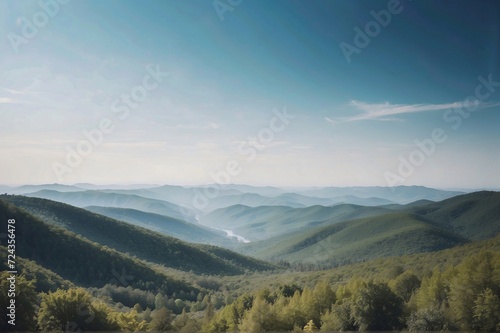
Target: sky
(282,93)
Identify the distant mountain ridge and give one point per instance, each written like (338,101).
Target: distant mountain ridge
(109,199)
(398,194)
(23,189)
(421,227)
(227,195)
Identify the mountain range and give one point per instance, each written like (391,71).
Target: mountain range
(323,226)
(416,228)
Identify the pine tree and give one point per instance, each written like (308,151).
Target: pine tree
(209,312)
(261,317)
(129,322)
(470,280)
(159,301)
(310,327)
(146,315)
(137,307)
(292,312)
(323,296)
(433,291)
(486,312)
(309,306)
(161,320)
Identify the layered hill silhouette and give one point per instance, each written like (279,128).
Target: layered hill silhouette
(282,224)
(253,196)
(79,260)
(110,199)
(217,196)
(83,231)
(421,227)
(258,223)
(397,194)
(186,231)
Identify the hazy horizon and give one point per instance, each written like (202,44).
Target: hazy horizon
(297,94)
(288,188)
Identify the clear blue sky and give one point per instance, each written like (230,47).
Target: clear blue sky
(354,121)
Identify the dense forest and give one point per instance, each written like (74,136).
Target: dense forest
(461,294)
(464,297)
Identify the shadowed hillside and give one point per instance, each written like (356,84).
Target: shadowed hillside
(136,241)
(186,231)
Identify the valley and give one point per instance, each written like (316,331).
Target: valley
(141,250)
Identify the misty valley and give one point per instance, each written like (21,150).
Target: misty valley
(97,258)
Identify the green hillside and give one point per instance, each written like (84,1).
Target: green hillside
(340,243)
(258,223)
(475,215)
(46,280)
(135,241)
(422,264)
(185,231)
(80,260)
(419,227)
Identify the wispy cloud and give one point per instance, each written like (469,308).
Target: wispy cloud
(387,111)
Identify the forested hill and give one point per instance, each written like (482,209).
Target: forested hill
(189,232)
(78,259)
(474,216)
(423,227)
(131,240)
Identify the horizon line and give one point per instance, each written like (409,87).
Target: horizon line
(152,185)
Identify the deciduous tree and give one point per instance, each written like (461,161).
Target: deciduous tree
(376,308)
(25,303)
